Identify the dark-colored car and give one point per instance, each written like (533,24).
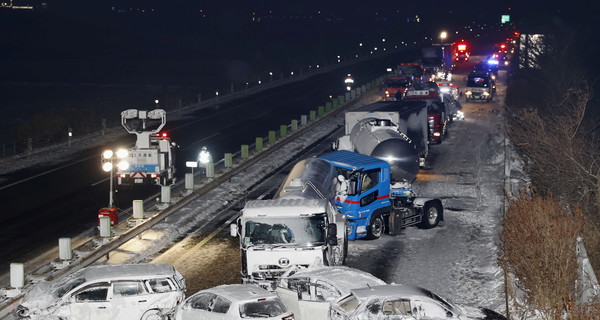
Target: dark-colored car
(480,86)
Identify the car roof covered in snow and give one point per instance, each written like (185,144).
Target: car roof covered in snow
(342,277)
(119,271)
(284,207)
(390,290)
(240,292)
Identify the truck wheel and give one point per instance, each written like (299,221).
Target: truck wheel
(376,227)
(432,213)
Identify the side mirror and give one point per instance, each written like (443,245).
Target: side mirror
(233,229)
(332,234)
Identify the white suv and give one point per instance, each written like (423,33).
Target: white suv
(128,292)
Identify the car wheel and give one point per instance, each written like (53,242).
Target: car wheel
(432,214)
(154,315)
(376,228)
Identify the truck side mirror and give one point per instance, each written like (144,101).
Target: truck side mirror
(332,234)
(233,229)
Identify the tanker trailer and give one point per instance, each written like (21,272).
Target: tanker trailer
(394,131)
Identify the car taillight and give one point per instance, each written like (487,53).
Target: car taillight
(290,317)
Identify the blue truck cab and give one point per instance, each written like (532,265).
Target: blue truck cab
(373,203)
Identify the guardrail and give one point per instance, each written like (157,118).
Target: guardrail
(96,248)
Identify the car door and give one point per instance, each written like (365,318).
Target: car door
(90,302)
(314,302)
(129,299)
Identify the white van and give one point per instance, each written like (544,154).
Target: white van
(127,292)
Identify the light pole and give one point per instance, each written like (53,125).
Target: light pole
(271,76)
(108,158)
(443,36)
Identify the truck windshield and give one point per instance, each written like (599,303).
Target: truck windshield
(304,231)
(397,83)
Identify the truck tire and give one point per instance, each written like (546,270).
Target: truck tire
(432,214)
(376,227)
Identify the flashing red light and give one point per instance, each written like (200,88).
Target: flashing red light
(503,46)
(462,47)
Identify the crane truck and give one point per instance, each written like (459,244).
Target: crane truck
(152,159)
(298,227)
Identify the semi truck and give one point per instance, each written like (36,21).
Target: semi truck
(299,226)
(396,131)
(152,159)
(374,200)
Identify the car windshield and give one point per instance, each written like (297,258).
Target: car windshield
(478,82)
(262,309)
(349,303)
(444,302)
(397,83)
(309,230)
(60,288)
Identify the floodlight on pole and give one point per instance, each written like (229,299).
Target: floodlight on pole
(108,165)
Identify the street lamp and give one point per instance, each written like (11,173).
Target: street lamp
(443,36)
(271,76)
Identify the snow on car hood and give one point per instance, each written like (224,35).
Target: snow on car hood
(39,296)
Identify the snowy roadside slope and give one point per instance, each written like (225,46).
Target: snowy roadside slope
(459,259)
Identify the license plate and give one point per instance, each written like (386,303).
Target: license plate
(138,180)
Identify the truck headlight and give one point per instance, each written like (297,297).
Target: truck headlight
(468,92)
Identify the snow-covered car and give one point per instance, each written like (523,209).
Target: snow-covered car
(116,292)
(395,301)
(307,292)
(233,301)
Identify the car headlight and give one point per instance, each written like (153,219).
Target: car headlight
(485,93)
(468,92)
